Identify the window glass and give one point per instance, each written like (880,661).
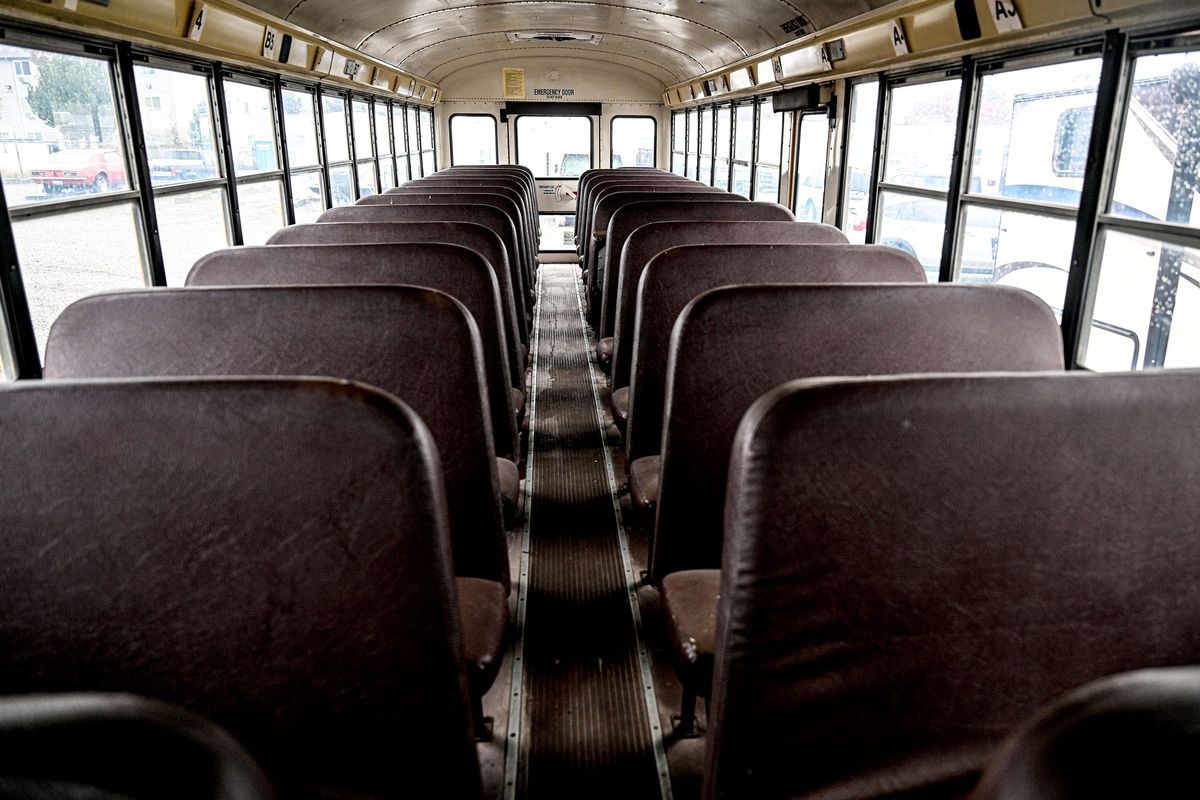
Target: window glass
(251,128)
(810,167)
(68,256)
(633,142)
(1158,174)
(58,128)
(555,147)
(922,124)
(721,157)
(1146,310)
(706,145)
(362,128)
(1032,138)
(8,360)
(414,143)
(1015,249)
(190,225)
(337,142)
(693,143)
(340,185)
(261,208)
(366,178)
(387,178)
(179,126)
(428,159)
(472,139)
(300,125)
(383,140)
(308,196)
(864,100)
(678,141)
(558,232)
(915,225)
(398,138)
(400,142)
(770,151)
(743,149)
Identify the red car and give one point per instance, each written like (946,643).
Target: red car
(80,170)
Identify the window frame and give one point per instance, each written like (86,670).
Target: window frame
(611,138)
(495,132)
(516,118)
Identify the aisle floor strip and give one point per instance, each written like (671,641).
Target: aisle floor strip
(631,582)
(516,705)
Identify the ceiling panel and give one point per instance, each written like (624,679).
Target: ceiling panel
(682,38)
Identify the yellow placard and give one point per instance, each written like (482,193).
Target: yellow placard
(514,82)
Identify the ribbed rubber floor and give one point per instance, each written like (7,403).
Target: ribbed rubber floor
(585,732)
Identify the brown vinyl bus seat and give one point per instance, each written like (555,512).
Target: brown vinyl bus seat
(466,191)
(1136,734)
(717,227)
(484,182)
(607,203)
(272,554)
(119,747)
(489,216)
(914,564)
(454,270)
(586,200)
(627,183)
(731,345)
(465,234)
(444,197)
(675,277)
(377,335)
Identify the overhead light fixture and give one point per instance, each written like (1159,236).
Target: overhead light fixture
(558,37)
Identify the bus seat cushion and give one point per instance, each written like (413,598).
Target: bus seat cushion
(643,482)
(689,602)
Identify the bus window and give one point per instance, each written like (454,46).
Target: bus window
(692,161)
(915,225)
(678,136)
(8,361)
(400,143)
(67,143)
(472,139)
(773,130)
(337,150)
(721,156)
(706,144)
(64,141)
(555,147)
(304,159)
(364,154)
(633,142)
(922,124)
(383,146)
(864,105)
(428,137)
(414,142)
(255,151)
(181,146)
(743,149)
(1147,286)
(1031,142)
(809,196)
(77,253)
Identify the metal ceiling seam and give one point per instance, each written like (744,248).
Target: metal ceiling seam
(481,6)
(648,42)
(489,57)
